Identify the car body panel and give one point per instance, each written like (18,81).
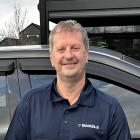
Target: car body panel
(27,67)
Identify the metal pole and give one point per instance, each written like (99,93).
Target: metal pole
(44,22)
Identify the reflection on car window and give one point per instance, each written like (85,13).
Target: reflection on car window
(2,91)
(4,107)
(129,100)
(39,80)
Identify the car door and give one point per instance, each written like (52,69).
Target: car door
(9,93)
(112,80)
(111,77)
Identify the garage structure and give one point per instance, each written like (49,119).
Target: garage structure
(121,15)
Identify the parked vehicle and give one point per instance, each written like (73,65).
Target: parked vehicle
(23,68)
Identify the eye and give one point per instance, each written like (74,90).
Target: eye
(75,48)
(60,50)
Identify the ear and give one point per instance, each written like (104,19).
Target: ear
(86,60)
(87,57)
(51,59)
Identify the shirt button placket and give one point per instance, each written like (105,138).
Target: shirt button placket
(65,126)
(66,122)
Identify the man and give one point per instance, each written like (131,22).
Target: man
(70,108)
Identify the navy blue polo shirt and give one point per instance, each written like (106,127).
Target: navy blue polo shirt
(44,115)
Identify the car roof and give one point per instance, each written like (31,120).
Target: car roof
(101,55)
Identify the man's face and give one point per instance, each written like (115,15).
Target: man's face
(68,55)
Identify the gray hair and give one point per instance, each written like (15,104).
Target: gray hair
(69,25)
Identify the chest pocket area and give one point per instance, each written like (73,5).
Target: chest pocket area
(88,133)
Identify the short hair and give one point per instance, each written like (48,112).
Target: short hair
(69,25)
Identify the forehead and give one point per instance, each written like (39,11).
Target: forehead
(68,34)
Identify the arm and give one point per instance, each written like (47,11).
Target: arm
(119,129)
(17,128)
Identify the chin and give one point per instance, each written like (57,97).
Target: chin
(72,75)
(69,75)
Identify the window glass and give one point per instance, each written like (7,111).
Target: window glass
(4,106)
(2,91)
(39,80)
(129,101)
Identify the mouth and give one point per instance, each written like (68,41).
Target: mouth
(69,63)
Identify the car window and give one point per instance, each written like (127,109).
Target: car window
(2,91)
(4,106)
(129,101)
(39,80)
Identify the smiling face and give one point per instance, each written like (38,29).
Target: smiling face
(68,55)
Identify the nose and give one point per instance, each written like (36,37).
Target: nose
(68,53)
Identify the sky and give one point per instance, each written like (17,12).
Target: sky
(7,11)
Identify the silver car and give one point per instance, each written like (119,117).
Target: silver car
(25,67)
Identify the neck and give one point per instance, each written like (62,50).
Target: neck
(70,90)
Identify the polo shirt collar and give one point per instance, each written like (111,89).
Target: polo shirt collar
(86,98)
(54,94)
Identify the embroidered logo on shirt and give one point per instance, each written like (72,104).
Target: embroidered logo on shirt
(89,126)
